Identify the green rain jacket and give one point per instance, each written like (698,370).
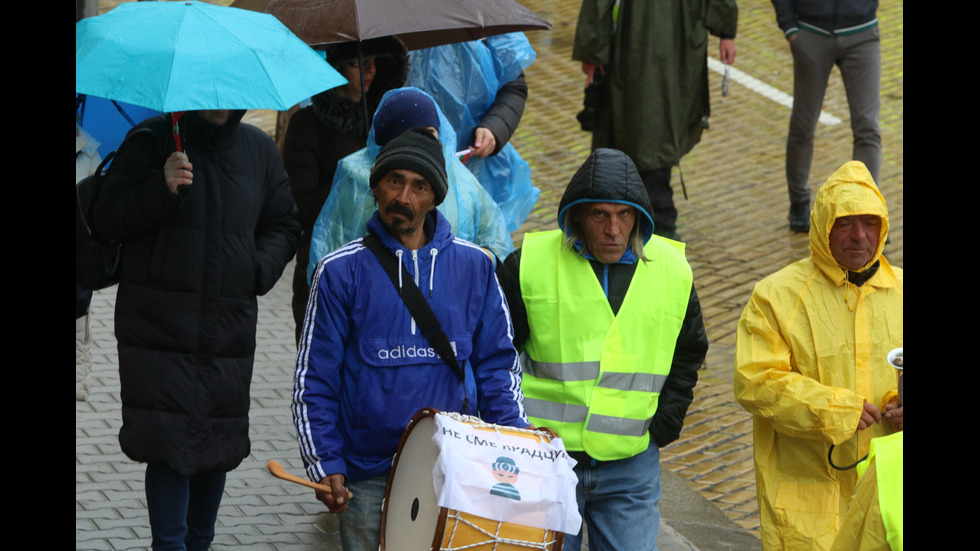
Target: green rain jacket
(656,73)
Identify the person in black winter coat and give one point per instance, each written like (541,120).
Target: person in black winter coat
(204,231)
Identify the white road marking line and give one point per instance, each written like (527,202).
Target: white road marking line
(764,89)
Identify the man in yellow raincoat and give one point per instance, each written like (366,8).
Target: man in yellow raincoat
(810,363)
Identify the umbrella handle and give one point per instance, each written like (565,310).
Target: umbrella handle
(174,117)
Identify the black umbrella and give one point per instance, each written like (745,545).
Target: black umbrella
(418,23)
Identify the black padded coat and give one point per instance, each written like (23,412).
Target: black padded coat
(192,266)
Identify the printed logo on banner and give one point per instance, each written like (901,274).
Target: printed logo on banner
(504,475)
(505,472)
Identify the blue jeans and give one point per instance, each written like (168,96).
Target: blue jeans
(360,523)
(182,509)
(619,502)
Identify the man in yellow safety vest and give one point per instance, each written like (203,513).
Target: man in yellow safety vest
(610,329)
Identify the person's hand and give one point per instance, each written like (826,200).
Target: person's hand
(177,171)
(485,142)
(551,434)
(893,414)
(791,38)
(336,500)
(589,69)
(869,416)
(726,50)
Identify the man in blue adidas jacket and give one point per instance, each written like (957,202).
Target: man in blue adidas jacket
(364,368)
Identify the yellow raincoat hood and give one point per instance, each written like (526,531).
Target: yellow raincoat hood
(811,348)
(848,192)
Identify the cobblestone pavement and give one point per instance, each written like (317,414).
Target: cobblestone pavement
(734,224)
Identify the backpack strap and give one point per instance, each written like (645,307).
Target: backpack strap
(95,187)
(86,191)
(417,305)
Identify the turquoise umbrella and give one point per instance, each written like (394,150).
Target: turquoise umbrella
(183,56)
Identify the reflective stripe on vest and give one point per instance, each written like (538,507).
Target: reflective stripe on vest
(592,376)
(589,371)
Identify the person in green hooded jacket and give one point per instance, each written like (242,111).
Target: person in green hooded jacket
(651,58)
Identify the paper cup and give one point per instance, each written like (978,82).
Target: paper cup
(897,360)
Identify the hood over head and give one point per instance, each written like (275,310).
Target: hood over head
(849,191)
(194,128)
(447,136)
(402,109)
(609,176)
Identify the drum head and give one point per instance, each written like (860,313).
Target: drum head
(410,512)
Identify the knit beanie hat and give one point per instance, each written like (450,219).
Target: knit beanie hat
(401,110)
(417,150)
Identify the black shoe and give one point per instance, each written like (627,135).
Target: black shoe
(799,217)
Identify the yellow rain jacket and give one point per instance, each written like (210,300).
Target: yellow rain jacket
(810,349)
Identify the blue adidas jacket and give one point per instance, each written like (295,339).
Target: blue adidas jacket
(364,368)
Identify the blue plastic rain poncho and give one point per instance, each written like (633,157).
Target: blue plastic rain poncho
(464,79)
(471,211)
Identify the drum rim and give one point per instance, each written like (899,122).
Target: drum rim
(441,522)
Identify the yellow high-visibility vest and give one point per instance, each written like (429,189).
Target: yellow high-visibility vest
(888,453)
(592,376)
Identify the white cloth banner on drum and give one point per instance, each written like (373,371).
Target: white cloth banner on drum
(505,476)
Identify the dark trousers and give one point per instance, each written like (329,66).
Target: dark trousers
(301,289)
(657,182)
(183,509)
(301,294)
(858,57)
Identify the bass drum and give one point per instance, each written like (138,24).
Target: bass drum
(411,519)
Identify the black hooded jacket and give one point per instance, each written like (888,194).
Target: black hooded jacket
(322,134)
(610,176)
(192,265)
